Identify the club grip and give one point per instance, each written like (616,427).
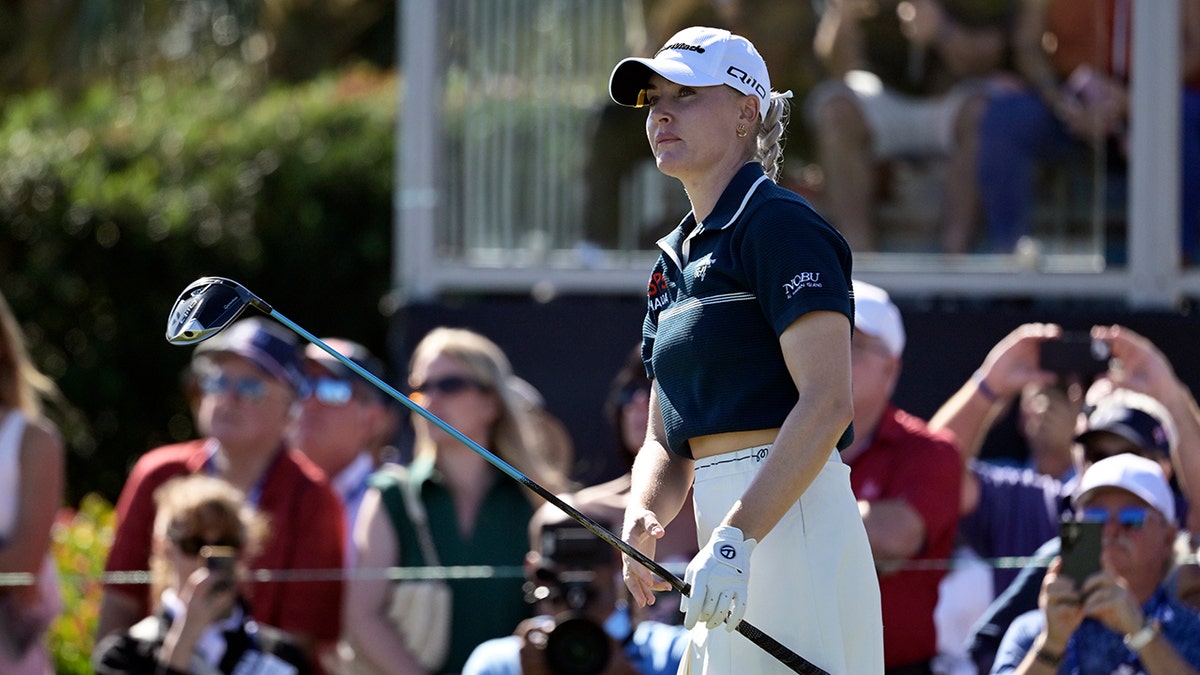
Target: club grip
(773,647)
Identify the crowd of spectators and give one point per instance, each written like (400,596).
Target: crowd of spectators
(293,477)
(955,126)
(926,497)
(294,481)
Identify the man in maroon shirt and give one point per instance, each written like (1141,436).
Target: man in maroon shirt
(248,380)
(907,481)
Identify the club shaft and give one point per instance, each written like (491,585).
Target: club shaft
(786,656)
(492,458)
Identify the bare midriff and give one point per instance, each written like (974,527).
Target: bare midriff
(719,444)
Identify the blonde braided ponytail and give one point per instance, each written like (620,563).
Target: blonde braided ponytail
(770,134)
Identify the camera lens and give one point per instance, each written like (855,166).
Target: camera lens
(577,646)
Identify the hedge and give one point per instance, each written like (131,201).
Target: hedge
(110,205)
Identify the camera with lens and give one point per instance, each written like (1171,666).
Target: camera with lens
(567,576)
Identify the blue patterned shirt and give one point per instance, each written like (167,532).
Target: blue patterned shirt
(1096,650)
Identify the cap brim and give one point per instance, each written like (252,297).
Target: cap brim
(1135,490)
(261,359)
(1122,431)
(631,76)
(332,365)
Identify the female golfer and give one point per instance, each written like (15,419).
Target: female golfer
(747,337)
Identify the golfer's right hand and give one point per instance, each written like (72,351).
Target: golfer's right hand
(642,531)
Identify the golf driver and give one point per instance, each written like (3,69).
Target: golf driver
(210,304)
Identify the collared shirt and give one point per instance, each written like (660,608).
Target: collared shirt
(350,485)
(719,297)
(1094,649)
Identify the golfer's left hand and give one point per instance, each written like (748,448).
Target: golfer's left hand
(720,579)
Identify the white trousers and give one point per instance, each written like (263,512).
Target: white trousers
(812,579)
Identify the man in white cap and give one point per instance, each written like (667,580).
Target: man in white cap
(1015,512)
(906,479)
(1121,619)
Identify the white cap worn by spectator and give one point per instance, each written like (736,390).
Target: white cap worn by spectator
(876,315)
(1137,475)
(696,57)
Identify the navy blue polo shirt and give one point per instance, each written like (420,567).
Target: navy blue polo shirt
(722,293)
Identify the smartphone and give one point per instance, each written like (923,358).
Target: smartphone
(1074,353)
(1080,549)
(221,561)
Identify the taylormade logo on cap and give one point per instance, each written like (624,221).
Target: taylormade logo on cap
(696,57)
(685,46)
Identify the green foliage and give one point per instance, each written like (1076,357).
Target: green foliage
(112,204)
(80,545)
(67,45)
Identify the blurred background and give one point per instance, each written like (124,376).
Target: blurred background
(374,168)
(291,146)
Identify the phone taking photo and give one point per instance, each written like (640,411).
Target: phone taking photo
(222,562)
(1074,353)
(1081,542)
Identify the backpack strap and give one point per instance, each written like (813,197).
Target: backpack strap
(403,502)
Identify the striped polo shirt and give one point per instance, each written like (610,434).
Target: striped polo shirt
(721,294)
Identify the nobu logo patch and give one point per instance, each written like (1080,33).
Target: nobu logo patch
(802,280)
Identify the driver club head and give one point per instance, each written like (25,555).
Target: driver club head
(206,307)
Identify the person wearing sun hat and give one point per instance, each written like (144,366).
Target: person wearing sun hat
(247,380)
(1015,512)
(266,344)
(1123,618)
(747,338)
(1123,422)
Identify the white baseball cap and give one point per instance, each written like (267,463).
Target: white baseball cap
(876,315)
(1140,476)
(696,57)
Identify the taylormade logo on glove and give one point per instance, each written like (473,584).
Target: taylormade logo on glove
(720,579)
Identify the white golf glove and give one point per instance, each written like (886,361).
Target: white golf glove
(720,580)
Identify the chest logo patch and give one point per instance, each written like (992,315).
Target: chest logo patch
(801,281)
(656,293)
(701,269)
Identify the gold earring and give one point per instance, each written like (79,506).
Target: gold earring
(741,131)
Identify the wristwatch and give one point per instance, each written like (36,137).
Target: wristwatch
(1136,641)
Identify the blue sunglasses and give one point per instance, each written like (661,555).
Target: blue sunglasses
(1130,517)
(331,391)
(247,388)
